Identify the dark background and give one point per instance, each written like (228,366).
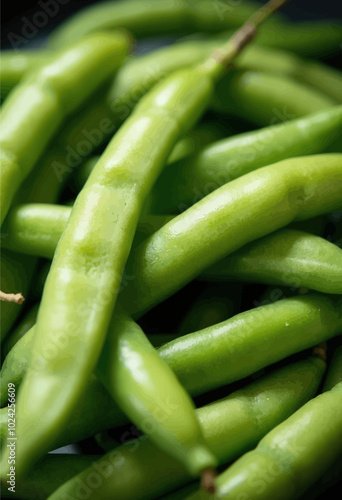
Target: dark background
(13,11)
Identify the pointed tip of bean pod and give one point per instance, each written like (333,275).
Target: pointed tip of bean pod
(208,476)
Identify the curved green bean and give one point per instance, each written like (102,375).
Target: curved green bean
(289,458)
(286,257)
(266,99)
(161,406)
(187,181)
(237,213)
(252,340)
(49,95)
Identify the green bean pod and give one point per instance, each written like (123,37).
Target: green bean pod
(285,257)
(289,458)
(69,339)
(237,213)
(280,62)
(35,110)
(252,340)
(157,402)
(187,181)
(263,98)
(139,470)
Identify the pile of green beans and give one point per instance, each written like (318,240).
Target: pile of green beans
(147,203)
(132,466)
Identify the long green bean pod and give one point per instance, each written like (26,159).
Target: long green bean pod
(264,99)
(138,469)
(185,182)
(157,402)
(48,96)
(237,213)
(289,458)
(285,257)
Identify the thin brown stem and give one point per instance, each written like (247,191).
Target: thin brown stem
(208,480)
(16,298)
(223,56)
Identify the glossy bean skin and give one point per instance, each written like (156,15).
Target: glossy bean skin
(139,470)
(285,257)
(16,275)
(290,455)
(233,215)
(157,402)
(274,331)
(48,96)
(263,98)
(187,181)
(102,223)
